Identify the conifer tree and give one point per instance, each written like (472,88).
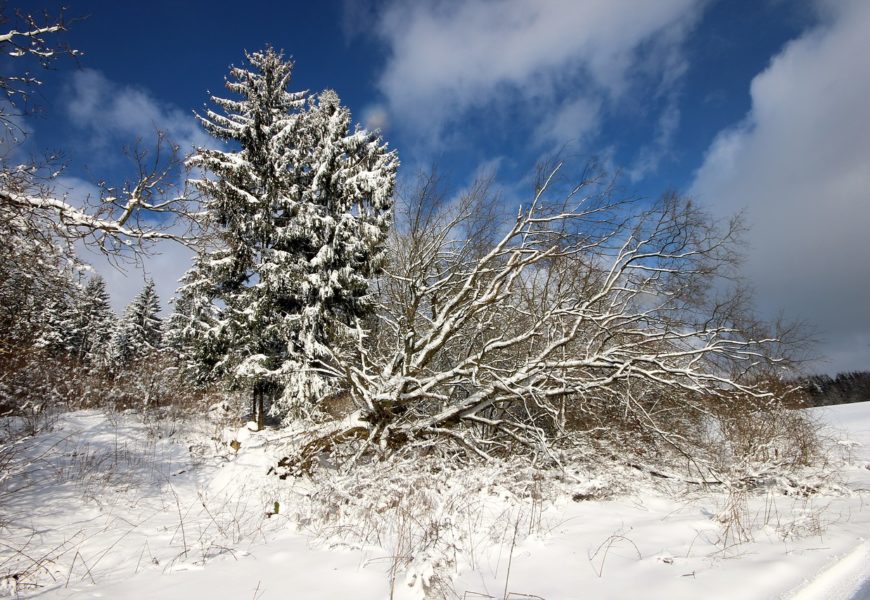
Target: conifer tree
(60,334)
(140,330)
(192,329)
(97,323)
(301,210)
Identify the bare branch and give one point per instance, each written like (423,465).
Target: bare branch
(524,333)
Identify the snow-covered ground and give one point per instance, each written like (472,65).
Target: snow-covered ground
(111,507)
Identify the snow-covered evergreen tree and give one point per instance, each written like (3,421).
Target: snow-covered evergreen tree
(302,209)
(140,330)
(61,333)
(345,191)
(97,323)
(194,324)
(37,277)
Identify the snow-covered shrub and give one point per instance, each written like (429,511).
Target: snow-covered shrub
(35,386)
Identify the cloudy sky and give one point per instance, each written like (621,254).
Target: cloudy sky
(746,105)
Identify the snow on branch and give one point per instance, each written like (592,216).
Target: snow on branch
(509,337)
(34,38)
(124,219)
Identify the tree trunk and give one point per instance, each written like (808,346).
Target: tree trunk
(257,404)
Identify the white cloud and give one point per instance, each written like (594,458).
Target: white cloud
(559,58)
(799,163)
(107,110)
(574,120)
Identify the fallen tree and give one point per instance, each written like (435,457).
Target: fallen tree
(587,316)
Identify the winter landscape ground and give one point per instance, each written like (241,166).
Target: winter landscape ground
(113,506)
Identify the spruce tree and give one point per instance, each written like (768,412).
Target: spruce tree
(96,323)
(60,333)
(140,330)
(53,309)
(301,211)
(193,327)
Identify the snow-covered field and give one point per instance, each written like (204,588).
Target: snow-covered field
(111,507)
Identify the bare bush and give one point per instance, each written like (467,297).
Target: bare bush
(762,440)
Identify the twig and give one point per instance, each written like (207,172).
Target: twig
(511,557)
(606,544)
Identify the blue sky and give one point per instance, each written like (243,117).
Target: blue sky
(746,105)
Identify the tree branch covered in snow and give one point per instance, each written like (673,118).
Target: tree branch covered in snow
(520,337)
(127,218)
(28,39)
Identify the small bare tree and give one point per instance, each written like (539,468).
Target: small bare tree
(523,336)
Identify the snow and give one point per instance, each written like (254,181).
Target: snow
(286,568)
(114,506)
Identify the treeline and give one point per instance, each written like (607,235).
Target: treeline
(61,345)
(844,388)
